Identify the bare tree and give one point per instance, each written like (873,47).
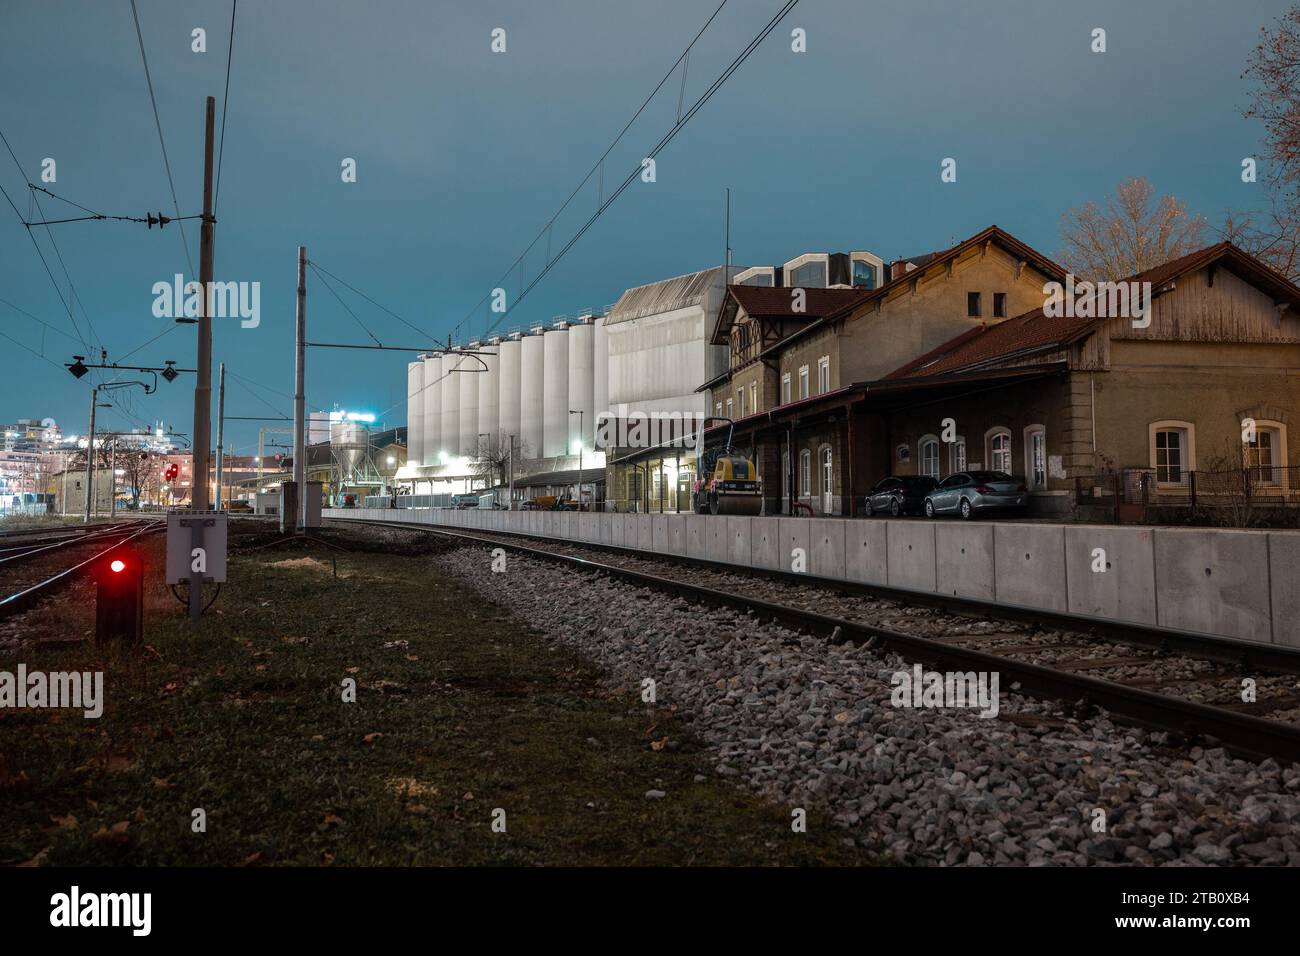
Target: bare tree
(493,459)
(1129,233)
(140,470)
(1273,234)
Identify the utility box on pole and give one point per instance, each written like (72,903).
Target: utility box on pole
(119,599)
(315,499)
(288,507)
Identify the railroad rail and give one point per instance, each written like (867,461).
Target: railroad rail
(99,543)
(1132,698)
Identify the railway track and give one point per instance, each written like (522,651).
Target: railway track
(34,570)
(1188,685)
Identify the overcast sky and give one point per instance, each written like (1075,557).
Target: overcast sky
(463,155)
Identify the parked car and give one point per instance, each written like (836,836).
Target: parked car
(899,495)
(969,492)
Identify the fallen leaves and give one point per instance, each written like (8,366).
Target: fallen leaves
(660,744)
(68,822)
(115,835)
(331,820)
(38,859)
(252,859)
(369,739)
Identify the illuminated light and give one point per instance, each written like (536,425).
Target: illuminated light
(118,565)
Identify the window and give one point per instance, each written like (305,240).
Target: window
(824,374)
(998,441)
(929,456)
(753,397)
(761,278)
(803,381)
(717,409)
(785,475)
(864,274)
(1035,457)
(999,305)
(785,389)
(810,275)
(1265,456)
(973,304)
(730,409)
(805,473)
(828,481)
(740,401)
(957,455)
(1173,451)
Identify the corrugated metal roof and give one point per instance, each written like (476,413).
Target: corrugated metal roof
(666,295)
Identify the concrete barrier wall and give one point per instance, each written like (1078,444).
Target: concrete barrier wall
(1239,584)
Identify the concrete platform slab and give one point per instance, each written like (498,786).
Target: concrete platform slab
(1126,589)
(1212,580)
(738,539)
(1030,565)
(826,543)
(910,553)
(865,559)
(794,534)
(964,559)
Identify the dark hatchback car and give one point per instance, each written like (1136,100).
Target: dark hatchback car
(899,495)
(970,492)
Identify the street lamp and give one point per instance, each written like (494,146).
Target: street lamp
(579,414)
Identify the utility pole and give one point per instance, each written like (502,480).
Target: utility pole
(199,501)
(90,456)
(510,503)
(221,430)
(112,478)
(203,389)
(299,396)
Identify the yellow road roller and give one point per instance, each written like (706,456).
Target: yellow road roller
(734,489)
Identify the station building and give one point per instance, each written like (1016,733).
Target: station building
(956,364)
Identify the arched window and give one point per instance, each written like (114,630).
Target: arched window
(1036,457)
(957,455)
(805,474)
(929,457)
(997,445)
(1264,454)
(785,476)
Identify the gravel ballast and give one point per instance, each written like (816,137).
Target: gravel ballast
(808,723)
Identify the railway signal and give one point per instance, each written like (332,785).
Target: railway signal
(119,605)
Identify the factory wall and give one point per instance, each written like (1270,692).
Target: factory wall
(489,398)
(582,385)
(531,394)
(450,406)
(656,362)
(432,409)
(509,373)
(555,399)
(415,411)
(600,366)
(470,369)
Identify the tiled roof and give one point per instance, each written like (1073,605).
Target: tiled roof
(1034,332)
(769,301)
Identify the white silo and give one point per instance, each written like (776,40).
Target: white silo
(582,395)
(532,381)
(509,379)
(450,441)
(555,401)
(415,411)
(489,383)
(600,366)
(432,410)
(470,370)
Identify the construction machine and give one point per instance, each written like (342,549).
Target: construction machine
(733,487)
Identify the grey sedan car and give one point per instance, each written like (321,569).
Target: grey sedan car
(969,492)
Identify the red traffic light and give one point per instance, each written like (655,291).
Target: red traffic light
(171,472)
(118,565)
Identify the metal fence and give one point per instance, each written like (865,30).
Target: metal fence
(1129,491)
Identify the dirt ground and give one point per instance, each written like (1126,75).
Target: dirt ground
(463,717)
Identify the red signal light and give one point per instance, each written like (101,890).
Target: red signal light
(118,565)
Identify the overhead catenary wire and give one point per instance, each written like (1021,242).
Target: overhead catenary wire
(668,137)
(355,318)
(598,167)
(135,13)
(319,268)
(225,100)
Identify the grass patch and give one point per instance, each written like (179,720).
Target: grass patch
(460,710)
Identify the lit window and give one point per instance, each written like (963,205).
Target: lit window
(803,381)
(828,483)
